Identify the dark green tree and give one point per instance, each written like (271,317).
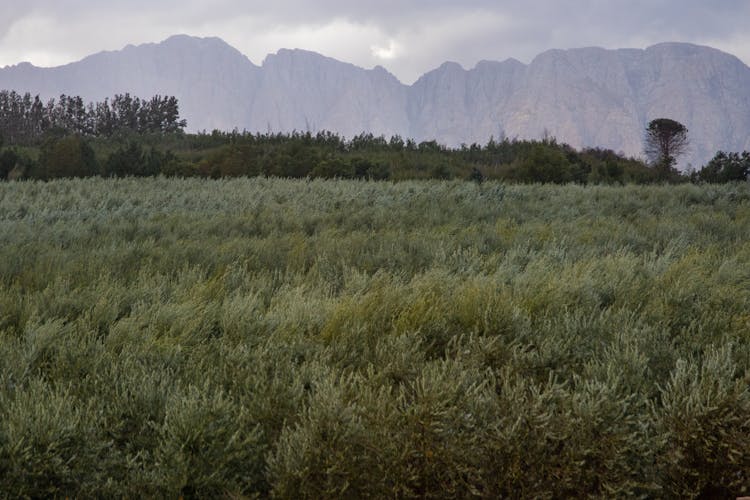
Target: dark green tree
(125,161)
(331,168)
(665,141)
(544,163)
(476,175)
(8,161)
(70,156)
(726,167)
(4,166)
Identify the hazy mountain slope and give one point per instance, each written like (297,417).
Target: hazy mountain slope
(592,97)
(586,97)
(580,96)
(458,106)
(214,82)
(707,90)
(302,90)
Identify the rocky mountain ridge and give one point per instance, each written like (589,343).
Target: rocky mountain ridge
(585,97)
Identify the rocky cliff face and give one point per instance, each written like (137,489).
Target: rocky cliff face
(591,97)
(305,91)
(585,97)
(457,106)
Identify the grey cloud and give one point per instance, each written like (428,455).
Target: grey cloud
(691,16)
(529,27)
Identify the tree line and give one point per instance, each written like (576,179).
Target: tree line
(322,155)
(26,120)
(327,155)
(128,136)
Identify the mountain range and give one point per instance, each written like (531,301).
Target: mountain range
(585,97)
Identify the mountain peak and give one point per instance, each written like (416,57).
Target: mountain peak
(187,42)
(22,66)
(509,62)
(179,41)
(683,49)
(678,46)
(184,45)
(451,66)
(285,54)
(185,38)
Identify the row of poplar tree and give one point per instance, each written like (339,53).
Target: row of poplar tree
(25,119)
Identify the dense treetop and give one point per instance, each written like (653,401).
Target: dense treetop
(25,119)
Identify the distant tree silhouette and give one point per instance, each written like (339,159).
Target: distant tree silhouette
(25,120)
(725,167)
(664,142)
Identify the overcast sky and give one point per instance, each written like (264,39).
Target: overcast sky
(407,37)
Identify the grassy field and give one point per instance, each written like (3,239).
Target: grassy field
(163,337)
